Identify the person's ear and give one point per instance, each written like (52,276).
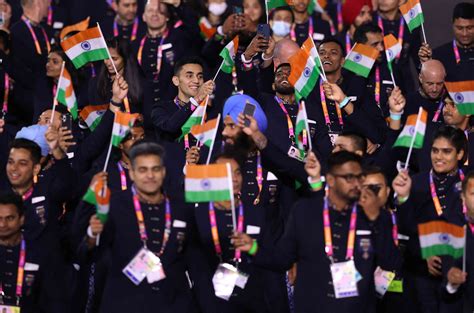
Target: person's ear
(175,81)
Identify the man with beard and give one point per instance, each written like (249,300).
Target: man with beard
(316,235)
(431,91)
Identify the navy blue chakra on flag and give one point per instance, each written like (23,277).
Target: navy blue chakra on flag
(206,184)
(444,238)
(412,13)
(458,97)
(306,72)
(357,57)
(85,45)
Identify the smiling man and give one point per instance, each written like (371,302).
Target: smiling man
(169,116)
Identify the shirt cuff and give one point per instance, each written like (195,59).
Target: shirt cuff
(450,288)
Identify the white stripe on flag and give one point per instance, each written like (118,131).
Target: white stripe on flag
(441,238)
(207,184)
(94,44)
(301,82)
(361,59)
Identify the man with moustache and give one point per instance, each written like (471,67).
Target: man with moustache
(316,235)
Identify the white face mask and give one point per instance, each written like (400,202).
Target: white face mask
(217,8)
(281,28)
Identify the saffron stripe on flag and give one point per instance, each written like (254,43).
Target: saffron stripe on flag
(209,171)
(435,226)
(89,34)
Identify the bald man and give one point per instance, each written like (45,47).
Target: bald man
(430,93)
(284,49)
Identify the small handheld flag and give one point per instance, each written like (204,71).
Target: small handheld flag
(102,195)
(196,118)
(462,94)
(413,15)
(205,133)
(304,71)
(228,55)
(204,183)
(413,133)
(92,114)
(86,46)
(66,94)
(392,49)
(441,238)
(302,134)
(122,124)
(361,59)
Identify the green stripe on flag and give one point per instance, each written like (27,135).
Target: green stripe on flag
(186,128)
(206,196)
(228,61)
(465,108)
(89,197)
(272,4)
(416,22)
(436,250)
(90,56)
(95,123)
(310,83)
(62,100)
(357,68)
(405,141)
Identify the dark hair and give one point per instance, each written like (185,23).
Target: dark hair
(465,182)
(187,60)
(138,124)
(5,38)
(340,158)
(31,146)
(132,73)
(359,142)
(263,17)
(463,10)
(375,170)
(456,137)
(334,40)
(234,153)
(360,34)
(14,199)
(283,8)
(144,147)
(68,64)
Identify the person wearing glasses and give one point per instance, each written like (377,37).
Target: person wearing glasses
(332,239)
(430,196)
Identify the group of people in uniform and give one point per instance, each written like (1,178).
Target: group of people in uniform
(332,230)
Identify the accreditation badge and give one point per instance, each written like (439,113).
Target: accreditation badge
(9,309)
(344,279)
(142,264)
(333,137)
(382,280)
(224,280)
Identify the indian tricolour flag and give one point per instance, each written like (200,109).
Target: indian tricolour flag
(392,49)
(196,117)
(441,238)
(92,114)
(66,94)
(361,59)
(317,5)
(462,94)
(204,183)
(123,122)
(304,69)
(412,14)
(272,4)
(205,133)
(86,46)
(414,126)
(302,136)
(228,55)
(102,196)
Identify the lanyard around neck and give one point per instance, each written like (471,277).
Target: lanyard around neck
(134,29)
(434,195)
(35,39)
(394,227)
(291,130)
(348,43)
(141,221)
(377,85)
(438,111)
(20,273)
(457,56)
(310,29)
(259,178)
(215,231)
(159,53)
(6,93)
(328,235)
(325,107)
(123,176)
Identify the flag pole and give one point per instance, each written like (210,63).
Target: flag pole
(310,144)
(218,70)
(266,9)
(55,100)
(232,201)
(420,111)
(125,100)
(423,32)
(107,158)
(319,59)
(213,140)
